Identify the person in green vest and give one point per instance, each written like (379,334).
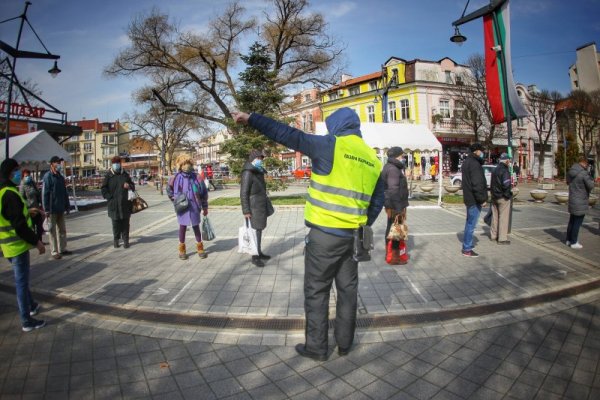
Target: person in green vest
(345,192)
(16,238)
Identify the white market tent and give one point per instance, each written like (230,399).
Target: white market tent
(410,137)
(33,149)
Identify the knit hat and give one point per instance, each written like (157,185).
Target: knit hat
(254,154)
(504,157)
(394,152)
(7,167)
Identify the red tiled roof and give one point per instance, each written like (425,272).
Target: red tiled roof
(354,81)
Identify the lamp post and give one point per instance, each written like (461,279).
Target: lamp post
(167,107)
(459,39)
(385,88)
(15,53)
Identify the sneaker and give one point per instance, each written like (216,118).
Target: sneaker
(257,261)
(568,243)
(33,324)
(56,256)
(576,246)
(35,310)
(503,241)
(66,253)
(470,253)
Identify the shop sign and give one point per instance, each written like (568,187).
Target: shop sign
(22,110)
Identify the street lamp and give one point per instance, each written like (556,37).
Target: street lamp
(15,53)
(385,88)
(167,107)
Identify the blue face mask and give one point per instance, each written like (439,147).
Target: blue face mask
(116,167)
(258,163)
(59,168)
(16,178)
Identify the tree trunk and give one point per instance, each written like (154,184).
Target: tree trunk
(541,159)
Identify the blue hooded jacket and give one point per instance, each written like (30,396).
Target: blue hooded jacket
(320,149)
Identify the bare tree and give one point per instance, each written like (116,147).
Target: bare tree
(583,110)
(469,90)
(200,65)
(542,114)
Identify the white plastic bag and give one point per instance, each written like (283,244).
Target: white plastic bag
(130,195)
(207,231)
(47,225)
(247,239)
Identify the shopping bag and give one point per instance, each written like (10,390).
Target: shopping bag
(207,230)
(138,204)
(398,230)
(130,195)
(47,224)
(247,239)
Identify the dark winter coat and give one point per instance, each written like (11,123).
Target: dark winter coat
(474,185)
(31,194)
(501,182)
(395,185)
(55,198)
(253,195)
(113,191)
(580,185)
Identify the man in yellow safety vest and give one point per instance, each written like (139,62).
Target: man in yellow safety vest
(345,193)
(16,238)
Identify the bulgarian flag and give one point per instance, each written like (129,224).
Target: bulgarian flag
(496,28)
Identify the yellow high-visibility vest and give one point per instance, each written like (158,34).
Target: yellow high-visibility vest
(341,199)
(11,244)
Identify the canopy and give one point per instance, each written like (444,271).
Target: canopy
(379,135)
(35,148)
(410,137)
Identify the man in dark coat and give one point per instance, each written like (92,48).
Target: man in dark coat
(55,200)
(501,188)
(256,206)
(395,189)
(580,186)
(115,188)
(474,194)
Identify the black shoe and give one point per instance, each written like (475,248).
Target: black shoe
(116,243)
(126,244)
(35,310)
(257,261)
(33,324)
(470,253)
(66,253)
(343,351)
(301,349)
(264,256)
(503,241)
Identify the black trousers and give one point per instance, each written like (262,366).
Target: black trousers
(120,229)
(329,257)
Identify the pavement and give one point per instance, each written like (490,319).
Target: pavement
(520,321)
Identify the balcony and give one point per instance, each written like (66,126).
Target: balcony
(449,125)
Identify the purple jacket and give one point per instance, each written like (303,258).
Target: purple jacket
(197,195)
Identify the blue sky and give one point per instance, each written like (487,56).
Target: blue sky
(87,35)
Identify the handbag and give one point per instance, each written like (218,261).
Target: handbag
(247,243)
(207,231)
(181,201)
(398,230)
(363,243)
(138,204)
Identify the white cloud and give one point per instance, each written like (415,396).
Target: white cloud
(341,9)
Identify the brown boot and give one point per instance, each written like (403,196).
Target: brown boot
(182,253)
(200,248)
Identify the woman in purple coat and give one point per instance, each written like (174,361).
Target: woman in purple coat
(187,181)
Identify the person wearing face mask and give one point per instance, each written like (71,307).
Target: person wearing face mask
(55,201)
(115,188)
(28,189)
(475,194)
(256,206)
(396,191)
(16,238)
(501,189)
(189,182)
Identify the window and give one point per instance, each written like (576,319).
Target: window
(87,158)
(576,84)
(404,109)
(371,113)
(520,122)
(73,138)
(459,109)
(373,85)
(87,147)
(333,95)
(542,121)
(106,164)
(459,80)
(395,76)
(88,135)
(392,111)
(307,97)
(354,90)
(311,126)
(304,122)
(448,76)
(445,108)
(108,151)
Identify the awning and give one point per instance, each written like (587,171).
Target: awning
(35,148)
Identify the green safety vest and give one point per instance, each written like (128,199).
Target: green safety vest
(341,199)
(10,243)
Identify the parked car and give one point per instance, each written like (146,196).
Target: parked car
(456,179)
(304,172)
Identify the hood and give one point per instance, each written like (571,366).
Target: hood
(249,167)
(343,122)
(575,170)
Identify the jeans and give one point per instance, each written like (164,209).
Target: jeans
(472,218)
(20,265)
(575,222)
